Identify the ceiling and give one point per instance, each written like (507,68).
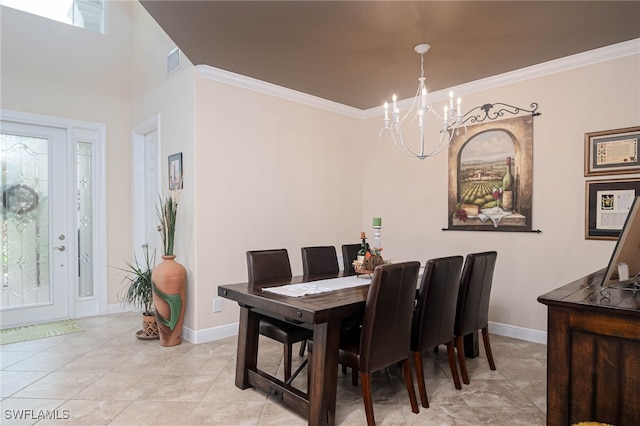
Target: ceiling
(358,53)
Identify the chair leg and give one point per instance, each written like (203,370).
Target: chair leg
(344,369)
(354,376)
(303,345)
(422,389)
(408,379)
(288,349)
(487,348)
(367,398)
(461,361)
(453,366)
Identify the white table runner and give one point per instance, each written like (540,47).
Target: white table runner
(320,286)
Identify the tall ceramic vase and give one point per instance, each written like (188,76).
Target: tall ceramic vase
(169,297)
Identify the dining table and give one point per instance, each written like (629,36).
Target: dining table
(319,302)
(323,312)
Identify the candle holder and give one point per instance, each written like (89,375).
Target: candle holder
(377,245)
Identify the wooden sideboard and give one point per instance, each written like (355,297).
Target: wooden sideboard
(593,354)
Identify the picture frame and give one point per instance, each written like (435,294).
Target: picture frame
(612,152)
(175,171)
(479,159)
(607,206)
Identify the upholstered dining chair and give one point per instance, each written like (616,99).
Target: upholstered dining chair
(435,315)
(319,260)
(267,265)
(385,336)
(472,310)
(349,254)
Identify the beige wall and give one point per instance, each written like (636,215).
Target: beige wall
(154,93)
(270,173)
(412,195)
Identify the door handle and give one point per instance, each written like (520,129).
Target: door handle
(61,248)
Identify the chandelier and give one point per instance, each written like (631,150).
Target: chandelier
(450,120)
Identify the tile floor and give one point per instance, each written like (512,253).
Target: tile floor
(106,376)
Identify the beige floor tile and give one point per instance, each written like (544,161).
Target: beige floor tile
(14,381)
(25,411)
(116,386)
(106,376)
(177,387)
(155,413)
(47,360)
(224,413)
(277,414)
(9,358)
(59,385)
(87,412)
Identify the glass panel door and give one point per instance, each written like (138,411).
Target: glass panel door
(34,242)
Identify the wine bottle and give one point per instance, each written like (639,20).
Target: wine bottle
(363,247)
(507,188)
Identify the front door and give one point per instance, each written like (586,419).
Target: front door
(34,238)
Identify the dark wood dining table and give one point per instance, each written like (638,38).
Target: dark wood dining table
(322,312)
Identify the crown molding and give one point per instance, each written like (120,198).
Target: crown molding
(242,81)
(607,53)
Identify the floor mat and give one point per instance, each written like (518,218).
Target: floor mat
(38,331)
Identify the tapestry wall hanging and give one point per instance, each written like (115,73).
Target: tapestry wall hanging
(491,174)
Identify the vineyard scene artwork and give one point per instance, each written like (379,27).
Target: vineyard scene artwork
(490,176)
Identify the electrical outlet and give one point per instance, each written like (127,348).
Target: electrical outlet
(217,305)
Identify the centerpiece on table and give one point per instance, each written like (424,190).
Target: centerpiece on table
(169,277)
(368,257)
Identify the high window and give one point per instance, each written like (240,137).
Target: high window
(87,14)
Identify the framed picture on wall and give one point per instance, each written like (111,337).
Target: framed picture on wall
(607,206)
(491,176)
(175,171)
(612,152)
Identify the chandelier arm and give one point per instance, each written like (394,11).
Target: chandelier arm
(401,147)
(444,143)
(398,142)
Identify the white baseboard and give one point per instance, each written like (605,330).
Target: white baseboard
(210,334)
(228,330)
(516,332)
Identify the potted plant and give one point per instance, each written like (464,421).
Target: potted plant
(137,291)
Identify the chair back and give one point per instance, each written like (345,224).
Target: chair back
(349,254)
(435,312)
(472,311)
(319,260)
(386,327)
(267,265)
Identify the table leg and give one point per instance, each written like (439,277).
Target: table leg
(324,374)
(247,356)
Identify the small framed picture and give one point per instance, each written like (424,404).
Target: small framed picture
(607,206)
(175,171)
(612,152)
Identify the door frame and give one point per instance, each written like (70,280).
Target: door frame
(80,130)
(138,175)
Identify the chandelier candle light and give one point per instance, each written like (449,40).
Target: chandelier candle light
(421,106)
